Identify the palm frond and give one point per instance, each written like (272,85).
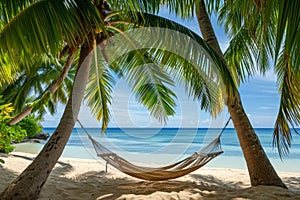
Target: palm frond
(39,27)
(256,46)
(180,50)
(213,5)
(41,102)
(183,8)
(204,87)
(198,77)
(288,28)
(289,109)
(240,55)
(8,69)
(171,34)
(99,89)
(9,8)
(50,107)
(196,60)
(150,83)
(230,17)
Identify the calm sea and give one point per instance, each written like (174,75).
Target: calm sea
(174,140)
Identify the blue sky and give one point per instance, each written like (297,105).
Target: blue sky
(259,96)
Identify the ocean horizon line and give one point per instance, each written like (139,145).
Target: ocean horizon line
(93,127)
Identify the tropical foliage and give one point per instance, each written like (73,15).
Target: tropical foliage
(265,35)
(25,34)
(152,83)
(8,133)
(101,83)
(29,85)
(31,126)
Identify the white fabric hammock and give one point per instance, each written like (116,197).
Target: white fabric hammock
(176,170)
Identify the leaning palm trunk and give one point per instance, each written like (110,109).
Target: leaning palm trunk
(260,169)
(51,88)
(29,184)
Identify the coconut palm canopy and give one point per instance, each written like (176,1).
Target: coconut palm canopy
(72,24)
(245,58)
(266,34)
(107,24)
(38,28)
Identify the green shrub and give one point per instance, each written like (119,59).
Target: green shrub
(31,126)
(8,133)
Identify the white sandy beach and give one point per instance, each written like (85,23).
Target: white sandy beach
(86,179)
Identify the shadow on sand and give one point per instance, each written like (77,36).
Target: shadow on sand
(101,185)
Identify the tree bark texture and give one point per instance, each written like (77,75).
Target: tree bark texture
(260,169)
(30,182)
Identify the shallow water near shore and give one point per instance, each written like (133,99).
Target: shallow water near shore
(164,146)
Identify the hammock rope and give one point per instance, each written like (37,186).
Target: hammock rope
(176,170)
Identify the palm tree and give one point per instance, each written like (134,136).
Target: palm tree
(48,39)
(54,147)
(253,28)
(257,29)
(262,26)
(150,84)
(57,91)
(246,21)
(260,169)
(35,78)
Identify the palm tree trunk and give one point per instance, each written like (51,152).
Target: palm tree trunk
(30,182)
(260,169)
(51,88)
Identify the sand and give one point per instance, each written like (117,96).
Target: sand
(86,179)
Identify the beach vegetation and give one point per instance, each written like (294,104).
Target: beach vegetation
(241,57)
(84,25)
(8,133)
(263,36)
(92,19)
(31,125)
(38,87)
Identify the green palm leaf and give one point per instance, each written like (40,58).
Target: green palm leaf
(289,110)
(203,73)
(288,29)
(250,48)
(148,20)
(199,79)
(8,69)
(66,21)
(239,55)
(99,89)
(9,9)
(183,8)
(150,83)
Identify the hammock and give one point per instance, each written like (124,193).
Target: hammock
(172,171)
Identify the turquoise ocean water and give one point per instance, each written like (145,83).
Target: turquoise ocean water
(168,144)
(152,140)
